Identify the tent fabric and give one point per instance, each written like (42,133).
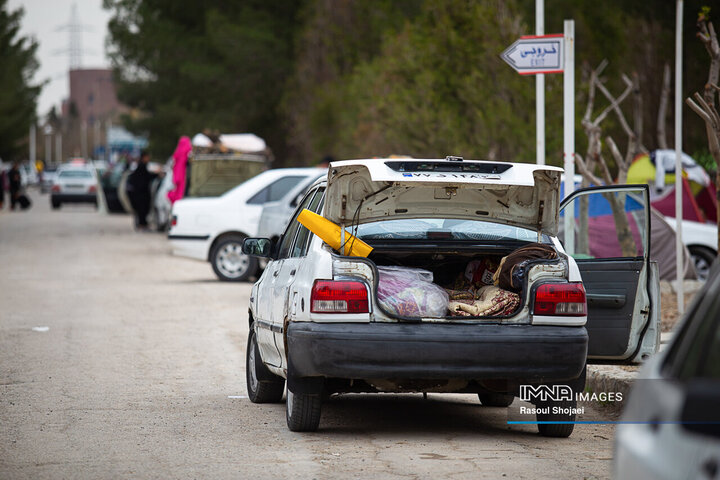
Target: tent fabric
(180,159)
(664,161)
(665,204)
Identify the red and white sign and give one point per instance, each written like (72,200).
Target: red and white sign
(533,54)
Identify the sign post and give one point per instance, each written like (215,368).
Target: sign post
(541,54)
(540,90)
(569,127)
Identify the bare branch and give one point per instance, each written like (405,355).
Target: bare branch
(585,172)
(614,106)
(696,108)
(708,109)
(615,153)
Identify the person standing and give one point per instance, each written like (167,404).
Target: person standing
(180,161)
(15,184)
(139,183)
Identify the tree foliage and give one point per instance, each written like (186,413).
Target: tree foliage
(187,66)
(357,78)
(19,96)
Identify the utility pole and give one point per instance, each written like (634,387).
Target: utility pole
(540,89)
(678,159)
(58,147)
(33,144)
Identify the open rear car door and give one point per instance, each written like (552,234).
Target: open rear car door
(611,246)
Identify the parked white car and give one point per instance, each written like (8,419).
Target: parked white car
(321,320)
(701,240)
(671,422)
(213,228)
(74,183)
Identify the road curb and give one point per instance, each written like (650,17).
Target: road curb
(610,378)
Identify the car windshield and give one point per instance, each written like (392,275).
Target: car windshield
(75,174)
(452,229)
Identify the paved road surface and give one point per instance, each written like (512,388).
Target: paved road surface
(133,378)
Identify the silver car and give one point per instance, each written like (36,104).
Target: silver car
(327,322)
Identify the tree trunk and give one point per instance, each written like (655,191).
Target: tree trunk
(662,109)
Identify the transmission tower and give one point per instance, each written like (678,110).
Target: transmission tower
(75,29)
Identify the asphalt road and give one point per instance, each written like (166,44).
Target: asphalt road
(118,360)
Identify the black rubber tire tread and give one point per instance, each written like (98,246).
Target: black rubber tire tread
(268,391)
(55,205)
(252,266)
(496,399)
(704,253)
(305,415)
(557,430)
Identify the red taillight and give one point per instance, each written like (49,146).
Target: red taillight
(566,299)
(173,222)
(55,188)
(92,189)
(338,297)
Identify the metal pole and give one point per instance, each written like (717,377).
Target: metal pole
(678,159)
(33,144)
(58,147)
(569,127)
(83,140)
(540,89)
(48,148)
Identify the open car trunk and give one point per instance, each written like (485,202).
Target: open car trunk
(454,284)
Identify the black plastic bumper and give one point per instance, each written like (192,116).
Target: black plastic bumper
(433,351)
(74,197)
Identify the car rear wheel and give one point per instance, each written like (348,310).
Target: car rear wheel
(703,259)
(263,386)
(55,204)
(302,411)
(496,399)
(558,430)
(228,261)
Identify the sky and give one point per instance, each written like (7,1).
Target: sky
(41,20)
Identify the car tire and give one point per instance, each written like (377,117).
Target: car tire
(496,399)
(228,262)
(557,430)
(55,204)
(260,390)
(703,259)
(302,411)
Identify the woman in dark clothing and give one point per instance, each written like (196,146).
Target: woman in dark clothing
(15,182)
(139,183)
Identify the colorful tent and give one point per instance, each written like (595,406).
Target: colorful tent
(658,170)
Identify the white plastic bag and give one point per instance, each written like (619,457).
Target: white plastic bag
(409,292)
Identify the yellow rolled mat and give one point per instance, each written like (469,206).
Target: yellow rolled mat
(332,235)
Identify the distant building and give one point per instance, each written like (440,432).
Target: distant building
(92,96)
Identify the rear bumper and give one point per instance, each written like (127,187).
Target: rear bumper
(191,246)
(435,351)
(74,197)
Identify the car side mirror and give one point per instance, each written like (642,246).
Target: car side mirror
(700,412)
(257,247)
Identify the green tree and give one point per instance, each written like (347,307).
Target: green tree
(187,66)
(18,99)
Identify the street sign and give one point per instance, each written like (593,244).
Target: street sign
(533,54)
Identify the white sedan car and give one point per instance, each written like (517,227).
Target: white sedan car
(330,323)
(213,228)
(74,184)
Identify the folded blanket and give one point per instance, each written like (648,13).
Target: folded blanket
(491,301)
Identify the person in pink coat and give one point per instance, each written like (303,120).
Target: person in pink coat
(180,156)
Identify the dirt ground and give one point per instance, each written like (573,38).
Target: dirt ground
(118,360)
(670,316)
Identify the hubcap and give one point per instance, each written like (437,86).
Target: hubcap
(702,267)
(230,260)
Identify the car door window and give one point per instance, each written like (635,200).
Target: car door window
(276,190)
(604,225)
(288,237)
(698,354)
(301,243)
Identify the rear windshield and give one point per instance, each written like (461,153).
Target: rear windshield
(75,174)
(452,229)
